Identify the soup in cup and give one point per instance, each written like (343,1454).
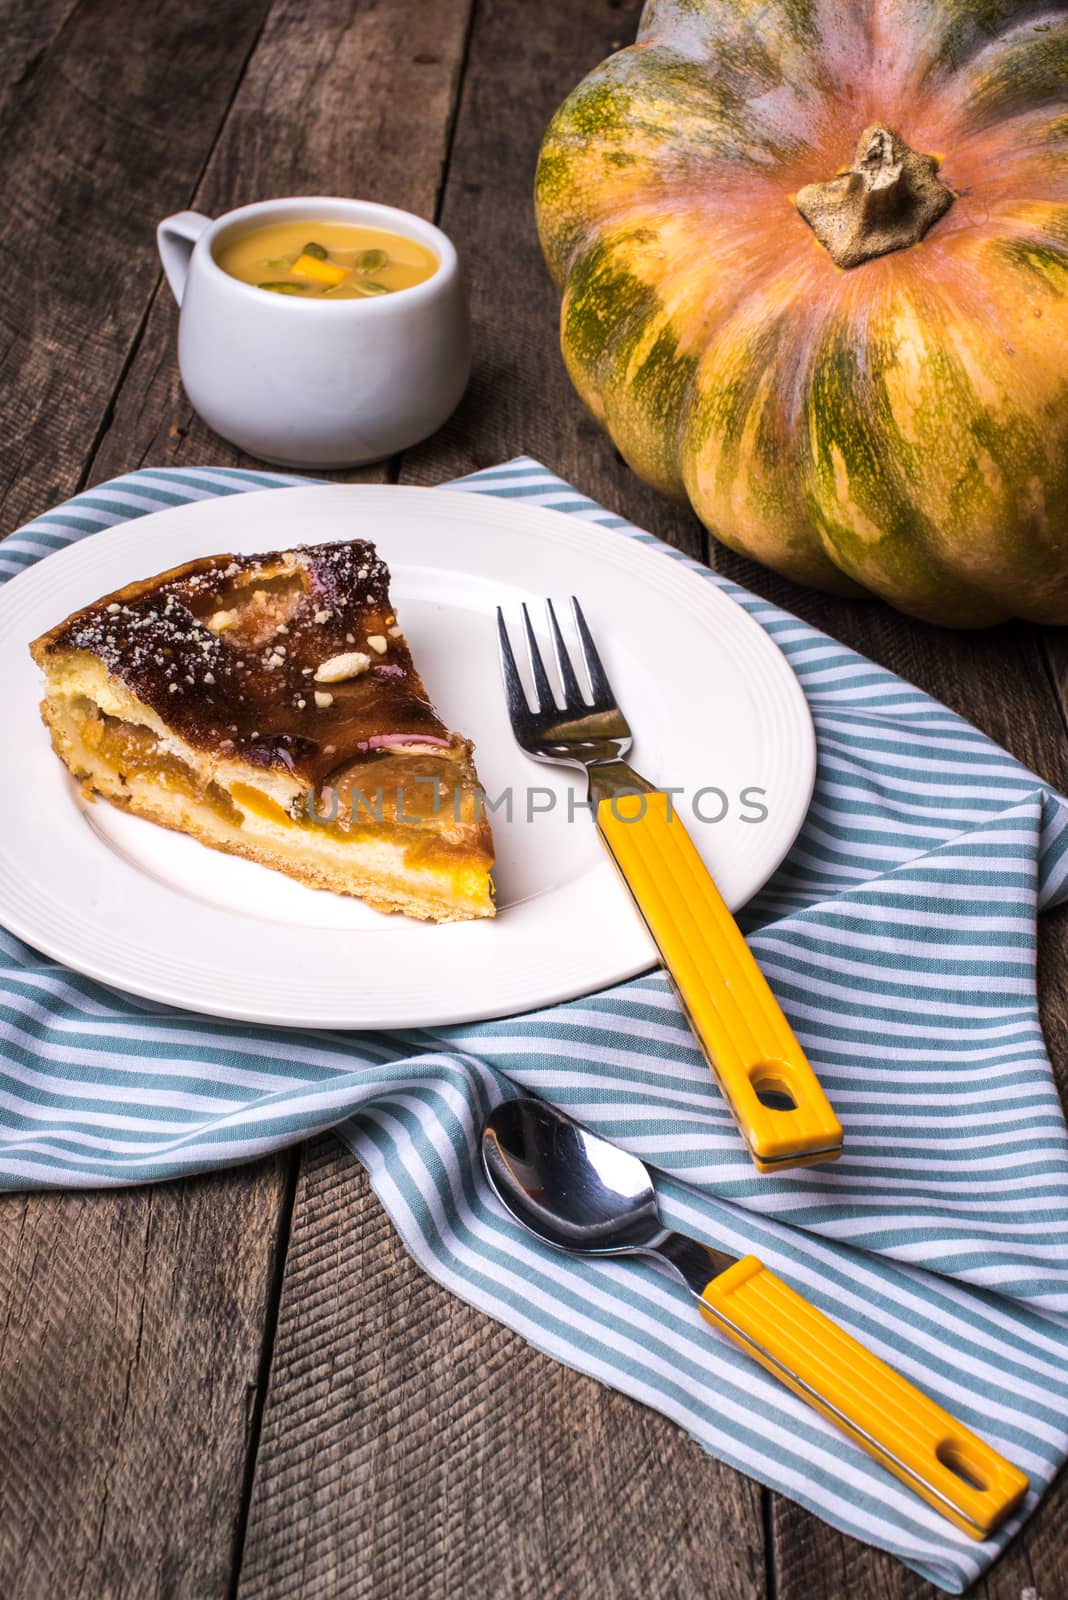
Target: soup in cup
(318,332)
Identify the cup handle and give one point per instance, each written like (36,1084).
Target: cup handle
(175,238)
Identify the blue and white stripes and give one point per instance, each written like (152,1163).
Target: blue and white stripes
(900,938)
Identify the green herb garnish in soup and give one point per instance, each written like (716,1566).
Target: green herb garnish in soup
(370,260)
(339,260)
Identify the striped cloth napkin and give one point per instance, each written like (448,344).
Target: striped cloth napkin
(900,938)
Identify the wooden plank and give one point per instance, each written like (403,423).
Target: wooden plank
(338,99)
(812,1561)
(412,1447)
(524,60)
(1006,681)
(1055,653)
(999,680)
(132,1328)
(131,1340)
(29,32)
(153,1534)
(520,402)
(149,1370)
(113,126)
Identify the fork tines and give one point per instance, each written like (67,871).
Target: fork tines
(600,698)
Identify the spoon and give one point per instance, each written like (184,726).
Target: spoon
(580,1193)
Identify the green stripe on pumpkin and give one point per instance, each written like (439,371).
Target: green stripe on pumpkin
(1025,73)
(642,123)
(957,30)
(744,452)
(607,315)
(948,525)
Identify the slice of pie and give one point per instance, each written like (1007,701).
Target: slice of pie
(269,706)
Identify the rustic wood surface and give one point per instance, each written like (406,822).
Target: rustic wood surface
(240,1385)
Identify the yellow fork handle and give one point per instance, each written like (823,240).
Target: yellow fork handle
(941,1460)
(739,1025)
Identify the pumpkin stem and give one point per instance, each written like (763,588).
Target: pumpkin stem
(888,199)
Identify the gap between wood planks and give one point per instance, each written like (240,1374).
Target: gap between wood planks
(263,1375)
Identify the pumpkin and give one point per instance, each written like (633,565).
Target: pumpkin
(814,266)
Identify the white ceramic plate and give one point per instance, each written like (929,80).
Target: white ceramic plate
(712,701)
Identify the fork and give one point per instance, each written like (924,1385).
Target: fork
(777,1101)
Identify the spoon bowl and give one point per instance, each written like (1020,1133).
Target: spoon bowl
(573,1189)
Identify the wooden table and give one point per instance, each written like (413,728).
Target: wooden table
(240,1385)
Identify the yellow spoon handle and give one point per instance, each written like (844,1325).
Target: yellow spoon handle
(738,1022)
(941,1460)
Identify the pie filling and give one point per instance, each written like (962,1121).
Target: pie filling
(134,755)
(414,820)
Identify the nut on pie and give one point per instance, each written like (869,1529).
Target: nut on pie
(269,706)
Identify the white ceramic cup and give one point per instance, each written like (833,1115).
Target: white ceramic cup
(316,383)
